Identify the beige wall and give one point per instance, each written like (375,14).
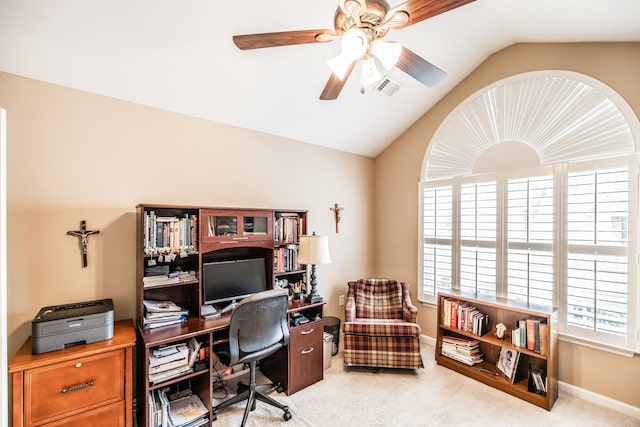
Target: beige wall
(76,156)
(397,173)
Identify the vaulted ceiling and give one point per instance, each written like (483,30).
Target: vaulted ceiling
(179,56)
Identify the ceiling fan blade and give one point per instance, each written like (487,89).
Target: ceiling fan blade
(420,69)
(284,38)
(419,10)
(334,85)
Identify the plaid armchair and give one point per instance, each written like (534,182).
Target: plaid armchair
(380,326)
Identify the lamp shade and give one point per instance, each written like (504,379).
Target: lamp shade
(314,250)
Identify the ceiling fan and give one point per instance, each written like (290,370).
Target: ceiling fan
(361,26)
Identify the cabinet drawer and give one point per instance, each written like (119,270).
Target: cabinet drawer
(306,336)
(106,416)
(78,385)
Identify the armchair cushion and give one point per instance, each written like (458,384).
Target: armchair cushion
(382,328)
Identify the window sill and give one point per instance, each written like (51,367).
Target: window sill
(596,345)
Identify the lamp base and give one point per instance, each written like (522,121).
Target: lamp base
(313,298)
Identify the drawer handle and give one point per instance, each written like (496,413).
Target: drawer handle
(77,387)
(307,351)
(307,332)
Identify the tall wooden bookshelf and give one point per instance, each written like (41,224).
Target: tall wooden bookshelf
(176,241)
(530,362)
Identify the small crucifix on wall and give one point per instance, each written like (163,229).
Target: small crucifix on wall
(336,212)
(83,233)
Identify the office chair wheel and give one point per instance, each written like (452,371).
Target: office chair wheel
(280,388)
(287,416)
(214,417)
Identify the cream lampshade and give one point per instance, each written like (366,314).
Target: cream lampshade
(314,250)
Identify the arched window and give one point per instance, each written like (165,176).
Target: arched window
(530,192)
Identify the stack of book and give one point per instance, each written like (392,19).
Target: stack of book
(162,313)
(166,279)
(462,349)
(171,361)
(168,362)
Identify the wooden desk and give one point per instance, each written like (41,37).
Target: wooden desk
(88,384)
(297,366)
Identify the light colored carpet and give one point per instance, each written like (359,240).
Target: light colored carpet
(432,396)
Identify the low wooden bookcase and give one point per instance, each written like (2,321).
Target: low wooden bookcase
(509,313)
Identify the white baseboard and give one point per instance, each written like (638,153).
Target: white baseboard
(571,390)
(598,399)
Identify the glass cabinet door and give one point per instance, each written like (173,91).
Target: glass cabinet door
(223,225)
(256,225)
(236,226)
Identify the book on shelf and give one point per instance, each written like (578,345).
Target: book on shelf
(169,234)
(532,334)
(287,227)
(465,317)
(522,325)
(507,363)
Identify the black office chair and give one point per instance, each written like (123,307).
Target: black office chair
(258,328)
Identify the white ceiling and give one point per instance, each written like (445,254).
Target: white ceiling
(179,56)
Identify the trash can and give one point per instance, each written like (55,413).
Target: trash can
(328,344)
(332,326)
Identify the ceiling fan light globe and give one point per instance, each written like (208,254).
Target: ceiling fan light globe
(387,52)
(340,65)
(354,43)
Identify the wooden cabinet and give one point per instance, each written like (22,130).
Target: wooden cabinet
(301,363)
(234,227)
(84,384)
(176,240)
(509,313)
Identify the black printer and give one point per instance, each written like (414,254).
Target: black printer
(60,326)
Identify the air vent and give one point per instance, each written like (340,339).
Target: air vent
(388,86)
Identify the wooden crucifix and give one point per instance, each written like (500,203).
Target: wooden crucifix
(336,212)
(83,233)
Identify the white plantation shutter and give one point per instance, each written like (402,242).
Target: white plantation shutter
(530,234)
(478,222)
(437,232)
(599,274)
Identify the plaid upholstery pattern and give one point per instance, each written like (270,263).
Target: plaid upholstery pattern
(380,326)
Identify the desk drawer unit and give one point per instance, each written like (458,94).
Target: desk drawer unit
(305,355)
(74,386)
(83,385)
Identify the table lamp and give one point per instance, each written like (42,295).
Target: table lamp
(314,250)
